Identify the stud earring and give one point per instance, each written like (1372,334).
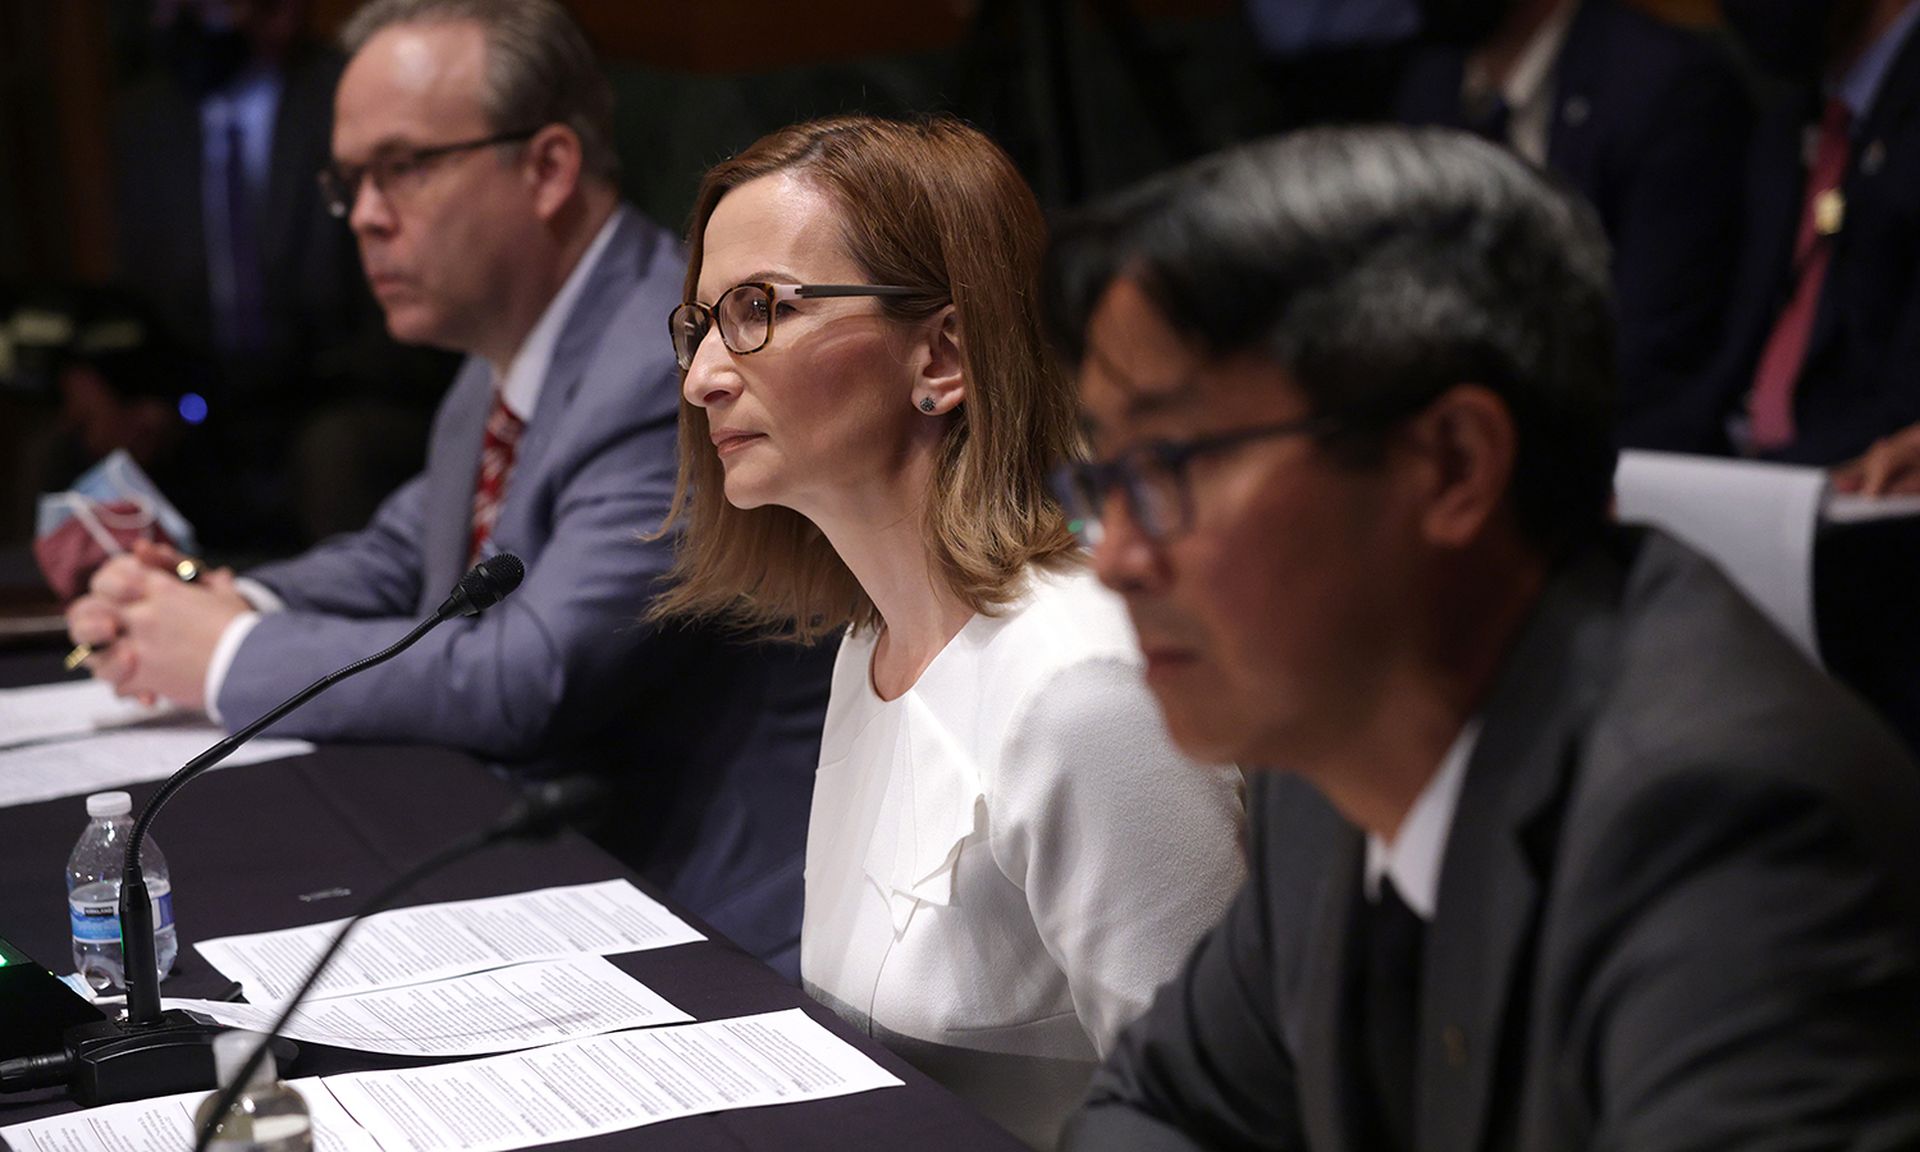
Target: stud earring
(926,404)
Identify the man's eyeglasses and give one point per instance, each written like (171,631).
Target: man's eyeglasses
(745,314)
(396,174)
(1153,479)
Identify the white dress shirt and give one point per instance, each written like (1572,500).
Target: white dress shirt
(1529,88)
(1413,859)
(519,387)
(1005,862)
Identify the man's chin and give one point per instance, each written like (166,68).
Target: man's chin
(415,326)
(1201,726)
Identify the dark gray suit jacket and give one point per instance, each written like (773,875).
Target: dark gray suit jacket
(716,741)
(1680,908)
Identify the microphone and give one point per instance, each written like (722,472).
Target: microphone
(483,586)
(540,813)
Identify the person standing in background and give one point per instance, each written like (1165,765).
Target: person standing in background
(1649,123)
(314,410)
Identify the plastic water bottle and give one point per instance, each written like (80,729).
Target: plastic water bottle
(267,1117)
(93,893)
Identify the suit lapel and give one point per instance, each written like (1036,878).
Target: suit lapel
(1576,77)
(607,287)
(1887,120)
(1479,947)
(1324,1064)
(452,469)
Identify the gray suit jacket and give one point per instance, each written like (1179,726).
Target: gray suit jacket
(1680,908)
(716,741)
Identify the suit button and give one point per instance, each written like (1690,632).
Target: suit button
(1453,1040)
(1575,111)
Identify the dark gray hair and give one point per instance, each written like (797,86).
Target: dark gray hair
(1379,267)
(540,68)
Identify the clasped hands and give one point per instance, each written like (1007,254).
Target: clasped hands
(154,634)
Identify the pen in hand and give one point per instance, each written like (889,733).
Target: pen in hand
(187,570)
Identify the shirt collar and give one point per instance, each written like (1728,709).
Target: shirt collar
(1533,68)
(1414,857)
(520,386)
(1860,85)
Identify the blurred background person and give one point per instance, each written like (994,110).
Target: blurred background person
(314,411)
(1005,854)
(1825,330)
(1645,120)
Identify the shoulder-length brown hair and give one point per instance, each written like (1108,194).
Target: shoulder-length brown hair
(935,205)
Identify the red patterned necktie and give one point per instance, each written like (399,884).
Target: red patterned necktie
(496,461)
(1770,406)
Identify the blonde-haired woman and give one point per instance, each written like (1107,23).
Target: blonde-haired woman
(1006,855)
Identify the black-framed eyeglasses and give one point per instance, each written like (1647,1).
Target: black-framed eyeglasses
(392,173)
(745,314)
(1153,479)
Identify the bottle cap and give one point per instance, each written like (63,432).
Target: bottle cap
(230,1051)
(109,804)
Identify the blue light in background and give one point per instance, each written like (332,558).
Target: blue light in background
(193,408)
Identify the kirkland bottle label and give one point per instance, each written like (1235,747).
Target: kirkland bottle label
(98,922)
(95,922)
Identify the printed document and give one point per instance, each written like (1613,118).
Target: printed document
(67,709)
(504,1010)
(165,1124)
(606,1084)
(566,1092)
(434,941)
(39,772)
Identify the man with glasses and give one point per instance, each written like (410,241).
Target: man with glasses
(1570,848)
(473,161)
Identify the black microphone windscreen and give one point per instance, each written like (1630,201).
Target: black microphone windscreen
(488,582)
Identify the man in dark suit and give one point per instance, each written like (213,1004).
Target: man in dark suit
(1573,849)
(1824,327)
(221,231)
(473,161)
(1646,121)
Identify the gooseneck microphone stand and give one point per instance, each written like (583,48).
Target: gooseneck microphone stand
(543,812)
(152,1052)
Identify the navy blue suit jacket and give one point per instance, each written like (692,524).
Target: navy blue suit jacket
(1650,125)
(1861,376)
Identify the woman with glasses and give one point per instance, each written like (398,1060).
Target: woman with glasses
(1005,855)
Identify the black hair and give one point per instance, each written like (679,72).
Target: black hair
(1379,267)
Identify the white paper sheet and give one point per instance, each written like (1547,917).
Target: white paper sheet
(565,1092)
(1844,509)
(71,708)
(505,1010)
(606,1084)
(116,759)
(165,1124)
(434,941)
(1755,520)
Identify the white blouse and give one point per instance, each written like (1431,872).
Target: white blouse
(1006,861)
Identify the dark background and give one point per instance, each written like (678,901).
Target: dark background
(1087,96)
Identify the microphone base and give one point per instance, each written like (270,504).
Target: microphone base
(112,1062)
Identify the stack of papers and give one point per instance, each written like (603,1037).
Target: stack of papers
(434,941)
(71,739)
(522,976)
(566,1092)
